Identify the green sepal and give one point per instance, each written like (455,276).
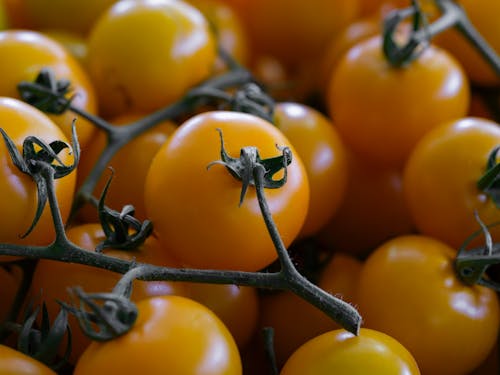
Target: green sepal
(489,182)
(242,167)
(47,93)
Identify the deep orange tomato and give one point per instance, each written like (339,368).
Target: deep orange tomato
(130,165)
(381,111)
(295,320)
(24,53)
(13,362)
(320,148)
(281,28)
(372,211)
(237,307)
(10,279)
(195,211)
(482,15)
(52,278)
(19,196)
(408,288)
(440,180)
(172,335)
(229,30)
(77,16)
(143,55)
(340,352)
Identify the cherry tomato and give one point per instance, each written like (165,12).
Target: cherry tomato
(381,111)
(440,180)
(482,15)
(143,71)
(195,211)
(282,28)
(74,43)
(320,148)
(229,29)
(237,307)
(372,211)
(13,362)
(408,289)
(52,278)
(341,352)
(173,335)
(130,165)
(24,53)
(10,279)
(291,330)
(19,199)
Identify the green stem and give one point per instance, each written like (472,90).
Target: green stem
(340,311)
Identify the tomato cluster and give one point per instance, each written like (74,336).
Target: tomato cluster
(371,178)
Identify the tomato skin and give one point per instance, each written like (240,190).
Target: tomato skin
(237,307)
(76,16)
(13,362)
(24,53)
(133,75)
(409,290)
(322,152)
(19,199)
(381,112)
(481,14)
(372,211)
(291,330)
(304,26)
(440,180)
(94,280)
(340,352)
(130,165)
(181,167)
(173,335)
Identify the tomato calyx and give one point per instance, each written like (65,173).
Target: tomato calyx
(102,316)
(489,182)
(41,162)
(472,265)
(42,341)
(122,229)
(243,167)
(47,93)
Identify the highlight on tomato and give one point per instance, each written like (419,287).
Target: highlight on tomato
(408,288)
(321,150)
(52,279)
(341,352)
(172,334)
(382,111)
(195,210)
(19,200)
(23,54)
(144,71)
(441,178)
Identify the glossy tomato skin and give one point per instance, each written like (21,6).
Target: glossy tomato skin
(19,196)
(173,335)
(237,307)
(381,111)
(481,13)
(13,362)
(130,165)
(372,211)
(134,75)
(320,148)
(340,352)
(440,180)
(24,53)
(408,289)
(199,220)
(52,278)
